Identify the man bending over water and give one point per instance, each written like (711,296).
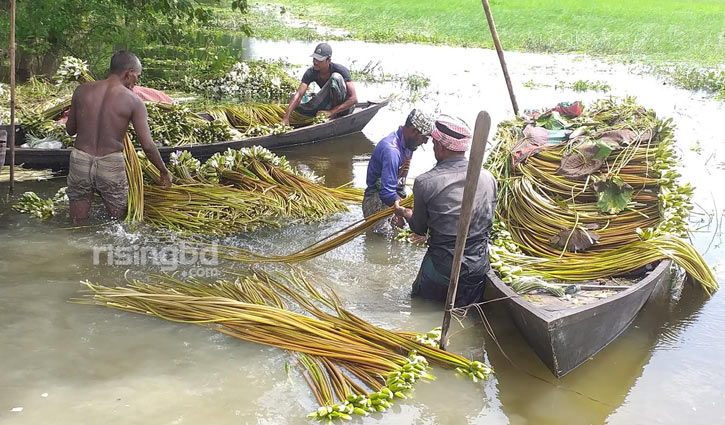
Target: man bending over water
(99,117)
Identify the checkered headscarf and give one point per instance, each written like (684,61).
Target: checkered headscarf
(421,121)
(452,133)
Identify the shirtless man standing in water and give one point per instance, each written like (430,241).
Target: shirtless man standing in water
(99,115)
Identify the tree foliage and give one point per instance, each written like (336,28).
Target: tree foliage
(93,29)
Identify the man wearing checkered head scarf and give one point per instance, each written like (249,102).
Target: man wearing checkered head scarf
(436,210)
(389,164)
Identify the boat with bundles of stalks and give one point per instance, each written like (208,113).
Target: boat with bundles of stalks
(57,159)
(590,224)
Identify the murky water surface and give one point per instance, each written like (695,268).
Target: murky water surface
(68,364)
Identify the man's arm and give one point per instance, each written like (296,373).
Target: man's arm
(348,103)
(141,125)
(71,127)
(294,102)
(418,217)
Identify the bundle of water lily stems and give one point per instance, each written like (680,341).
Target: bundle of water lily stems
(604,201)
(322,246)
(351,366)
(233,191)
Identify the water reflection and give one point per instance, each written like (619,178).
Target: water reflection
(335,159)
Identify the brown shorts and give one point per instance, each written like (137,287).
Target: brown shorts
(104,174)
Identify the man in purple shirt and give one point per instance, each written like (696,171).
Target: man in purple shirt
(389,164)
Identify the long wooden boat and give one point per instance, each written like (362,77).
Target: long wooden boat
(564,335)
(57,159)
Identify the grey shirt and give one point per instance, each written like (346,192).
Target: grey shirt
(437,207)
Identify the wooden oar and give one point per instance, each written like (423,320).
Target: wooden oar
(478,148)
(499,50)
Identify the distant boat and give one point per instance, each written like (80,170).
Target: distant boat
(57,159)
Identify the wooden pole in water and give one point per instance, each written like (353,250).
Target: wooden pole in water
(499,50)
(12,96)
(478,148)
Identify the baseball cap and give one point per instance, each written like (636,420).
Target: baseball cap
(322,52)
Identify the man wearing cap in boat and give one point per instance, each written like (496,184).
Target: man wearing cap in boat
(436,209)
(337,92)
(99,117)
(389,164)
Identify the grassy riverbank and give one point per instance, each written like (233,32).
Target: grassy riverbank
(658,31)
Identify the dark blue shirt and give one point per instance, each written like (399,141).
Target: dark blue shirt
(388,157)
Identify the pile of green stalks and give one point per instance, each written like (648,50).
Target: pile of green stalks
(237,191)
(257,119)
(177,125)
(351,366)
(624,211)
(233,192)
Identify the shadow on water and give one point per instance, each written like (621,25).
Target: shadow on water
(530,394)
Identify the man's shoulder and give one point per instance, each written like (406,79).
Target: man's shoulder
(342,70)
(340,66)
(388,142)
(487,176)
(86,87)
(309,71)
(425,178)
(127,95)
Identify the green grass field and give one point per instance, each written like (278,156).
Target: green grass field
(639,30)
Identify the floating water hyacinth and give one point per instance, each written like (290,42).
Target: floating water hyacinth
(253,80)
(43,209)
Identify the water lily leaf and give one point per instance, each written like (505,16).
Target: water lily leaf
(613,194)
(581,162)
(575,240)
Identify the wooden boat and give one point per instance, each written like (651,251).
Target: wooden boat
(564,335)
(57,159)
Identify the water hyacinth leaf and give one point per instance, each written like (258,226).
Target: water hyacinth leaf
(613,194)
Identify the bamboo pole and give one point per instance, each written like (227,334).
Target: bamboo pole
(478,148)
(12,96)
(499,50)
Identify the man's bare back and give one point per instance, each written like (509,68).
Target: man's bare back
(103,111)
(99,117)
